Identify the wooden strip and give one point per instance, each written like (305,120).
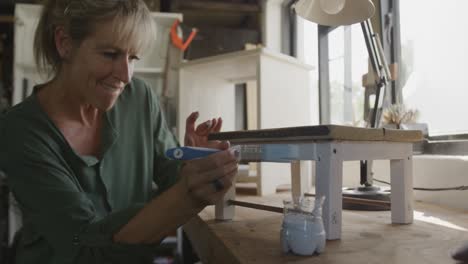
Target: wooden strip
(7,19)
(219,6)
(274,133)
(396,135)
(321,132)
(280,209)
(277,209)
(360,201)
(263,207)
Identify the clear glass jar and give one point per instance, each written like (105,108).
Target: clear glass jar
(302,230)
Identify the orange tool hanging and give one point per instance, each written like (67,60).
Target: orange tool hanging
(177,41)
(174,58)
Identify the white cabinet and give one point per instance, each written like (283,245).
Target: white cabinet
(281,88)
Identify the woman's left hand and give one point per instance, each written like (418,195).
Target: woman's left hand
(198,137)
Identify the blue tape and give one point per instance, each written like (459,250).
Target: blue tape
(189,153)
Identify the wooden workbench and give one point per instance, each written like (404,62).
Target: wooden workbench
(368,237)
(329,146)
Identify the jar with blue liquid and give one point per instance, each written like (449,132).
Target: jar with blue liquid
(302,230)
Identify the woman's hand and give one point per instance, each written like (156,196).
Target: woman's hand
(208,179)
(198,137)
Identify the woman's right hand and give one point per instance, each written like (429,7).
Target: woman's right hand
(208,179)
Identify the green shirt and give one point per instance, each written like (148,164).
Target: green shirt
(71,204)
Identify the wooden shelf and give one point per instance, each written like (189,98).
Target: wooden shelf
(7,19)
(217,6)
(222,14)
(239,66)
(166,19)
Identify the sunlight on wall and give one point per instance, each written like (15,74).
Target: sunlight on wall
(434,55)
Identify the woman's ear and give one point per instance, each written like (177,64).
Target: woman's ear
(63,43)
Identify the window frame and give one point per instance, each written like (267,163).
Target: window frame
(387,23)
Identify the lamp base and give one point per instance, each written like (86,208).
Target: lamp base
(369,193)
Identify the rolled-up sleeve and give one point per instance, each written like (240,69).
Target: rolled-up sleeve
(60,212)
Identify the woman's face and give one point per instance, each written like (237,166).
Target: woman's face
(100,68)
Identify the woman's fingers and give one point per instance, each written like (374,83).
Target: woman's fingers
(215,160)
(223,145)
(211,192)
(214,174)
(207,179)
(209,126)
(198,136)
(189,141)
(225,182)
(209,169)
(190,122)
(216,144)
(217,127)
(204,128)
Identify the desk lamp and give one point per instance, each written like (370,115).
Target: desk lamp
(347,12)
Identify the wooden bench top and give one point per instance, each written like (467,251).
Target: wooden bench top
(253,236)
(319,133)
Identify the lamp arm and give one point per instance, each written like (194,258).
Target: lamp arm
(368,34)
(380,68)
(388,75)
(382,77)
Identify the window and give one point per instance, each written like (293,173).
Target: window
(347,56)
(307,51)
(347,63)
(433,63)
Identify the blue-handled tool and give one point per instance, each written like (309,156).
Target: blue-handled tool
(188,153)
(248,153)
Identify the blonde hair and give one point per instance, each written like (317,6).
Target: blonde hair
(131,18)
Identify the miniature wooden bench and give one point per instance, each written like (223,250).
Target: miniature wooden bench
(329,146)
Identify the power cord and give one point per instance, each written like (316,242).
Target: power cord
(458,188)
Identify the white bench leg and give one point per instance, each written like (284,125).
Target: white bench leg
(402,190)
(329,182)
(224,211)
(300,178)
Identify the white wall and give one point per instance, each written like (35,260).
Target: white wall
(271,23)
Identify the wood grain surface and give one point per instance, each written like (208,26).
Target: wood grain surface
(368,237)
(321,132)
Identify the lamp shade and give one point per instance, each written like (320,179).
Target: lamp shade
(335,12)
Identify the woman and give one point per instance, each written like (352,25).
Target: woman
(82,152)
